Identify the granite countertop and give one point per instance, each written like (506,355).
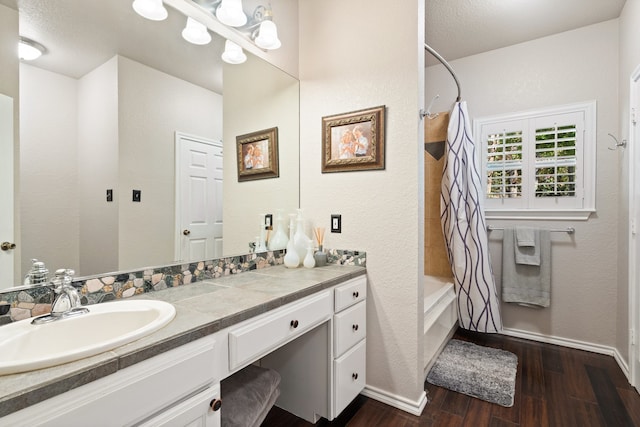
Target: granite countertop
(202,308)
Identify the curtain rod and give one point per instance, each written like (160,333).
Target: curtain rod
(447,66)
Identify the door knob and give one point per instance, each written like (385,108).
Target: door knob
(186,232)
(6,246)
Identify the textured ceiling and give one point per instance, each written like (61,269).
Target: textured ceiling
(459,28)
(80,35)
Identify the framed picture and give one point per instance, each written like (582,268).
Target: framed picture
(258,155)
(353,141)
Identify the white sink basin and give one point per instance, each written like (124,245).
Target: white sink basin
(26,347)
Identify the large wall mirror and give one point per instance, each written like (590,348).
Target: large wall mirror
(108,106)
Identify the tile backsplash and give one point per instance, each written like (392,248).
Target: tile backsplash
(36,301)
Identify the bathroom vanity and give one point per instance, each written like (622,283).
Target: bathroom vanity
(307,324)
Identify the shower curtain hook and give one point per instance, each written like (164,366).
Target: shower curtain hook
(622,143)
(428,114)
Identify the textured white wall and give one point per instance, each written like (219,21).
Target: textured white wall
(356,55)
(152,106)
(629,61)
(98,168)
(49,169)
(575,66)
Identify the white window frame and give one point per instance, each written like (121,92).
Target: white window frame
(529,207)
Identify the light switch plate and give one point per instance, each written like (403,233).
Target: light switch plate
(137,195)
(336,223)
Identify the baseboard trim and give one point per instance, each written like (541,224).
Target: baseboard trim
(566,342)
(399,402)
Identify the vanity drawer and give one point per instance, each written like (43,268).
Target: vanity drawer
(130,395)
(350,376)
(200,410)
(349,327)
(260,336)
(351,292)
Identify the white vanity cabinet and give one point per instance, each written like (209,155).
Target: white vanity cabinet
(146,392)
(316,343)
(349,342)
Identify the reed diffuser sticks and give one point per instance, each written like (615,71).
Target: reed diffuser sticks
(319,233)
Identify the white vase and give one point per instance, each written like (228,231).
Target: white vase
(291,258)
(300,239)
(309,261)
(279,239)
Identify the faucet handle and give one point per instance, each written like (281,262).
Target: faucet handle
(64,272)
(63,277)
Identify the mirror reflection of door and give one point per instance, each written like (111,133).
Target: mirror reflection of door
(198,198)
(6,190)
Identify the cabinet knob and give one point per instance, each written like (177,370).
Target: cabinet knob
(355,327)
(354,376)
(215,404)
(356,294)
(294,324)
(186,232)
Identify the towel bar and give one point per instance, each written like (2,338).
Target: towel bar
(568,230)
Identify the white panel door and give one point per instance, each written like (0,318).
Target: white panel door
(198,198)
(634,237)
(6,192)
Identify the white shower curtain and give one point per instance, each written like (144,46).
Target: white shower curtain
(464,228)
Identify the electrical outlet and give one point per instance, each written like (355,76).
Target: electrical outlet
(336,223)
(268,222)
(109,195)
(137,195)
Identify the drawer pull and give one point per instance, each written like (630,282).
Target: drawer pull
(356,294)
(294,324)
(355,327)
(215,404)
(354,376)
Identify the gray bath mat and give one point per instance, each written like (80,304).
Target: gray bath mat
(486,373)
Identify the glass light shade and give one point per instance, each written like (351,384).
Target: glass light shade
(230,13)
(233,54)
(195,32)
(150,9)
(268,36)
(28,51)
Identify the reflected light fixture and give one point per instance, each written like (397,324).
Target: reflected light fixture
(266,37)
(230,13)
(195,32)
(233,54)
(28,50)
(150,9)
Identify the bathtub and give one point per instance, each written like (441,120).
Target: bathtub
(440,317)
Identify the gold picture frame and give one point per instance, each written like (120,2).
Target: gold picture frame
(258,155)
(353,141)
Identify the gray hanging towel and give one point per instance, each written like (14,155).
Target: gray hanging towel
(527,246)
(522,283)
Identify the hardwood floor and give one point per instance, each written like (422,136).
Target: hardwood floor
(555,387)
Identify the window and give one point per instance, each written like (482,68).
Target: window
(539,164)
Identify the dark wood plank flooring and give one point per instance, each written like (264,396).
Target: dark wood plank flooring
(555,387)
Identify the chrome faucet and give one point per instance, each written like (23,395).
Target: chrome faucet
(67,297)
(66,301)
